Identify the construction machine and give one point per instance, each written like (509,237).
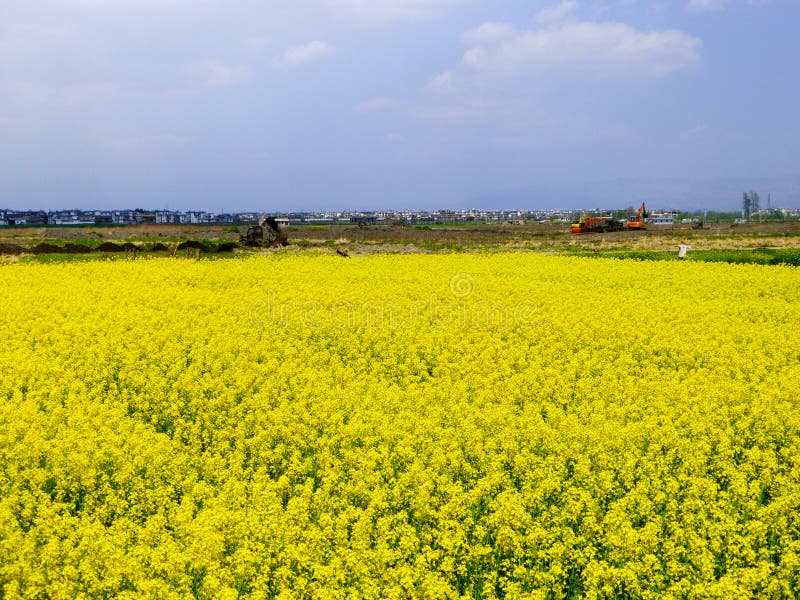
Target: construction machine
(266,233)
(637,221)
(587,224)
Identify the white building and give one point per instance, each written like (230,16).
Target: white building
(661,219)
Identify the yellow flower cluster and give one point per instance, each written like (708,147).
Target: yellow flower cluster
(485,426)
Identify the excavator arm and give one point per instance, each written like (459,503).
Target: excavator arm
(637,222)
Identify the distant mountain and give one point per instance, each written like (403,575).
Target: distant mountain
(683,194)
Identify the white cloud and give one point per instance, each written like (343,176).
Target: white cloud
(304,53)
(512,69)
(443,82)
(488,33)
(556,14)
(221,75)
(592,49)
(694,133)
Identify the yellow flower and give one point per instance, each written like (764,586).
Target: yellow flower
(502,425)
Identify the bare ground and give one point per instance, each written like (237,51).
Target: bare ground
(410,239)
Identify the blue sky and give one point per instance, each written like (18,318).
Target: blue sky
(359,104)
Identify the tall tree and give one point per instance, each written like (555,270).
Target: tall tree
(755,202)
(747,205)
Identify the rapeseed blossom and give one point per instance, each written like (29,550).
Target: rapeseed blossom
(501,425)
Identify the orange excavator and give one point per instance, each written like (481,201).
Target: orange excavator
(637,221)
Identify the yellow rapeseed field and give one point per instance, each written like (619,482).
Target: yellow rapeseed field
(481,426)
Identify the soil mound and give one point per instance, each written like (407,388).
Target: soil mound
(193,244)
(10,249)
(110,247)
(45,248)
(76,249)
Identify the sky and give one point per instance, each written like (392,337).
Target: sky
(279,105)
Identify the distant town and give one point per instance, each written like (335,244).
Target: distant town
(169,217)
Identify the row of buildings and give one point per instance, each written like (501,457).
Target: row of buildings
(167,217)
(121,217)
(164,217)
(159,217)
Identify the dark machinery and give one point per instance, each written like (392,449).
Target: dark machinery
(587,224)
(266,234)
